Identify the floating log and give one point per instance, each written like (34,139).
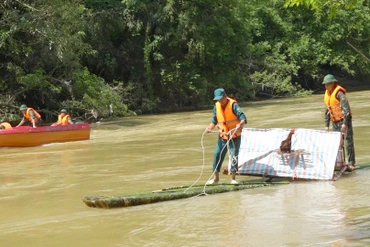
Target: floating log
(168,194)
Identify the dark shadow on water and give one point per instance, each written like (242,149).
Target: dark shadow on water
(282,101)
(287,101)
(128,122)
(119,124)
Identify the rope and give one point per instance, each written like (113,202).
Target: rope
(203,163)
(230,134)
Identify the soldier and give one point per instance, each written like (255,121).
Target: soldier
(63,118)
(31,115)
(230,119)
(5,125)
(339,113)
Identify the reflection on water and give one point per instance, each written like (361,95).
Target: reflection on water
(41,188)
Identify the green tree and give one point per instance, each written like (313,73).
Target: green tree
(41,45)
(318,5)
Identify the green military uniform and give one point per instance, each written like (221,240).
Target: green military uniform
(347,120)
(33,115)
(234,144)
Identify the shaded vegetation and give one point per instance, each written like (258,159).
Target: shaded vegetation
(115,58)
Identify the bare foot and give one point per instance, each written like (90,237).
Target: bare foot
(351,168)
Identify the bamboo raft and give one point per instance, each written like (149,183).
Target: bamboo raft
(182,192)
(168,194)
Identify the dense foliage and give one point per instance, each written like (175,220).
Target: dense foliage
(100,58)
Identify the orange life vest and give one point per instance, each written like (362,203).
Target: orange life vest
(28,116)
(6,125)
(226,119)
(64,120)
(333,104)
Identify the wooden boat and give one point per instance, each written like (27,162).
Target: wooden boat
(26,136)
(168,194)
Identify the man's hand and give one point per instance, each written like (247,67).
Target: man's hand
(210,127)
(20,124)
(343,129)
(240,125)
(33,124)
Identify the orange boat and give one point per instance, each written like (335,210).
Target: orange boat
(26,136)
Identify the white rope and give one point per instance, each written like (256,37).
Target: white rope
(203,161)
(230,134)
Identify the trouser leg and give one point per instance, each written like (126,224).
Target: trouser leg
(234,153)
(349,144)
(219,154)
(348,141)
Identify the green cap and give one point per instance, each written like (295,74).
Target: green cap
(63,111)
(329,79)
(23,108)
(219,93)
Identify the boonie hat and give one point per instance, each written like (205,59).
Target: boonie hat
(23,108)
(329,79)
(219,93)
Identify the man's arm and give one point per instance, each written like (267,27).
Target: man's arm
(327,118)
(342,97)
(21,122)
(213,123)
(70,120)
(241,116)
(33,115)
(33,123)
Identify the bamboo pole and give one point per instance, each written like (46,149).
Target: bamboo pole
(168,194)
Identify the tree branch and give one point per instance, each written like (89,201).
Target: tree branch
(8,105)
(12,98)
(27,6)
(359,52)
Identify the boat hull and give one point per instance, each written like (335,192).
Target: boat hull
(26,136)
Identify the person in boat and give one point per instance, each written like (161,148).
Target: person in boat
(338,111)
(5,125)
(29,114)
(63,119)
(228,116)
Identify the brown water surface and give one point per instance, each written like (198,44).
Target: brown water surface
(41,188)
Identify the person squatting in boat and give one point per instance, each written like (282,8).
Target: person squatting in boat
(63,118)
(5,125)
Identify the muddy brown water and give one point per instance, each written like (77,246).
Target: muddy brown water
(41,188)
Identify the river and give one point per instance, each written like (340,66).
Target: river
(41,188)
